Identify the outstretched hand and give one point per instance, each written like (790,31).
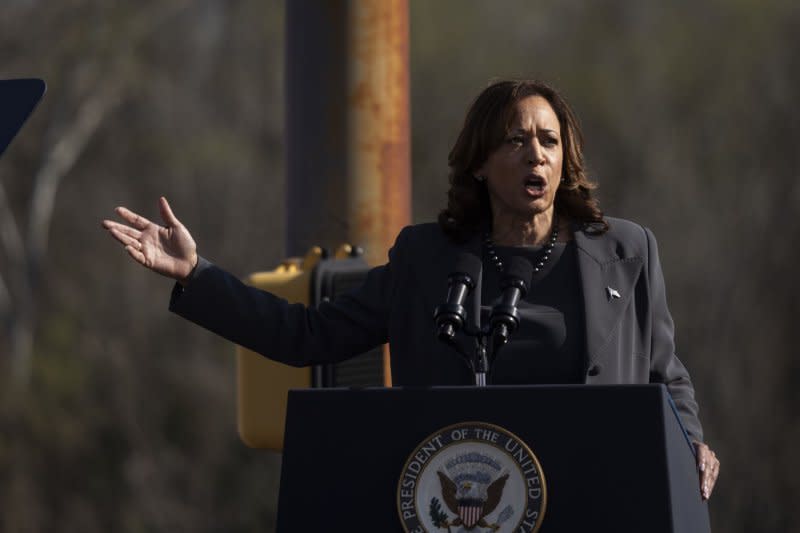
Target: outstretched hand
(169,250)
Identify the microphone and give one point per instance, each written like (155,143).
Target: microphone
(504,319)
(450,316)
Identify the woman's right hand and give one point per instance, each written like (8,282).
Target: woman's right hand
(169,250)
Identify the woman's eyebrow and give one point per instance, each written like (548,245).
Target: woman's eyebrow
(526,130)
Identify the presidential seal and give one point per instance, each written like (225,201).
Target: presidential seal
(472,476)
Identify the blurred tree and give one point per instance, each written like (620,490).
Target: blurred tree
(91,87)
(127,421)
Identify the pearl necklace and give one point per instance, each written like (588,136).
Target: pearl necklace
(548,249)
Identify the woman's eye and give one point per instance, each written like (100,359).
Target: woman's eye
(516,139)
(550,141)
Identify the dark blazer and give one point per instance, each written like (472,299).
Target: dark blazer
(629,339)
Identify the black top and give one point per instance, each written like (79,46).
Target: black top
(549,346)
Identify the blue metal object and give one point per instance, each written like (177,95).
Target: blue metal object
(18,98)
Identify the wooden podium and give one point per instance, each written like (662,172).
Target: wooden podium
(615,458)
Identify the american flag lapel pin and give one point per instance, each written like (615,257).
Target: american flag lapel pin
(612,293)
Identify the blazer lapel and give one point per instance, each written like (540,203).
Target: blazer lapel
(607,282)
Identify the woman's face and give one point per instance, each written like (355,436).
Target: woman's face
(524,172)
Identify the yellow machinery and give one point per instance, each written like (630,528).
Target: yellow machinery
(263,384)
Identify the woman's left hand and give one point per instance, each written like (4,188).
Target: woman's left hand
(708,464)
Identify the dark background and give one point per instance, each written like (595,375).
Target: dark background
(121,417)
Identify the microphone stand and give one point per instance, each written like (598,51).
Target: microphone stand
(482,353)
(503,322)
(481,361)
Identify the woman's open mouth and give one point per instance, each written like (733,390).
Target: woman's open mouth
(535,185)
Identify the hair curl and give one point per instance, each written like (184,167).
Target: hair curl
(485,127)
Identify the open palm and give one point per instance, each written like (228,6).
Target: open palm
(169,250)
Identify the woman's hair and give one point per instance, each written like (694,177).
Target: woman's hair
(485,127)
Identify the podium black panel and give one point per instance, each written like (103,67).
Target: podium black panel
(614,458)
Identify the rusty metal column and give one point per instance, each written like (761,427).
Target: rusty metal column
(348,149)
(379,170)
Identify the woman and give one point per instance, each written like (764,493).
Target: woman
(596,311)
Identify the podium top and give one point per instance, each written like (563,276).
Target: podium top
(18,98)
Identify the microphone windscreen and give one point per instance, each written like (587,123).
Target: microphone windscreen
(469,264)
(519,268)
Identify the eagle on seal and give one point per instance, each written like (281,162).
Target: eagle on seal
(471,499)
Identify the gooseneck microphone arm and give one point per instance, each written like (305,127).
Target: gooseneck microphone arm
(451,315)
(504,319)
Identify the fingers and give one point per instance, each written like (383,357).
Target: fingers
(166,213)
(127,236)
(137,221)
(709,466)
(125,239)
(136,254)
(122,228)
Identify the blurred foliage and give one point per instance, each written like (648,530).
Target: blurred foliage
(128,423)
